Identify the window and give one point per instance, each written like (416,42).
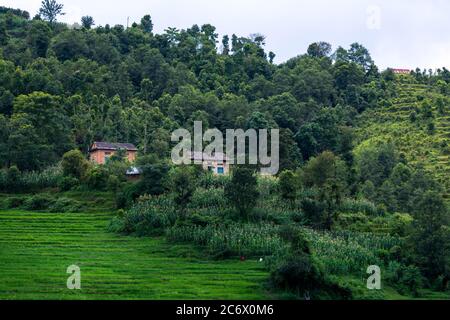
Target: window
(220,170)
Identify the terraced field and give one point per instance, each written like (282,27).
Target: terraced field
(420,146)
(37,248)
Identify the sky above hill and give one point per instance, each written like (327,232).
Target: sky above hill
(398,33)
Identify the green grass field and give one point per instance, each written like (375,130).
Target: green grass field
(37,248)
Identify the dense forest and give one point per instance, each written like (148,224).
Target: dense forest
(361,150)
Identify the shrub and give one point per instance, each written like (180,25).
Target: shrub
(67,183)
(153,180)
(126,197)
(406,279)
(12,203)
(65,205)
(13,180)
(38,202)
(74,164)
(113,183)
(96,178)
(288,185)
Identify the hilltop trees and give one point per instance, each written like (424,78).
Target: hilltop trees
(87,22)
(50,10)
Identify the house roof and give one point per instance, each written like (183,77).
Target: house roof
(113,146)
(218,156)
(133,171)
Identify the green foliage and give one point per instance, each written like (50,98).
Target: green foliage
(68,183)
(230,240)
(406,279)
(153,181)
(288,183)
(74,164)
(38,203)
(147,218)
(182,185)
(242,190)
(87,22)
(96,178)
(50,9)
(430,238)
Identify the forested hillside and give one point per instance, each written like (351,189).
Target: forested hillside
(364,153)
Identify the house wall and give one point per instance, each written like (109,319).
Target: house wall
(100,156)
(215,165)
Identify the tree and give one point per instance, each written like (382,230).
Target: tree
(153,180)
(74,164)
(42,127)
(290,156)
(38,38)
(182,185)
(430,238)
(327,174)
(69,45)
(50,10)
(360,55)
(87,22)
(242,191)
(147,24)
(226,45)
(288,185)
(3,33)
(319,49)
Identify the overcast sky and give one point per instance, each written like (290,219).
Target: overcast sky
(398,33)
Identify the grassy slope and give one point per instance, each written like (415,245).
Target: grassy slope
(393,123)
(36,249)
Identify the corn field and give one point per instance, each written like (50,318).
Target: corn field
(243,240)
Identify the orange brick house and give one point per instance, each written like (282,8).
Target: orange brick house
(101,151)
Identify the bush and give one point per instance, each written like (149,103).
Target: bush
(38,203)
(288,185)
(62,205)
(74,164)
(13,180)
(97,178)
(113,183)
(13,203)
(126,197)
(68,183)
(406,279)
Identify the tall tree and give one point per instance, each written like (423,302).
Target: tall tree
(147,24)
(242,190)
(430,238)
(319,49)
(87,22)
(50,10)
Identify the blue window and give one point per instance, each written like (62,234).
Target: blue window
(220,170)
